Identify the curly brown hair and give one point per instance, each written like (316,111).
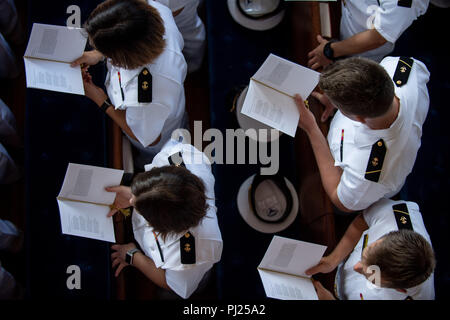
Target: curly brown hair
(170,198)
(129,32)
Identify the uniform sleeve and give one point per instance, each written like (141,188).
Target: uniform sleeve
(357,193)
(147,122)
(395,19)
(185,281)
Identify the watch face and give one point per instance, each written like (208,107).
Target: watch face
(128,258)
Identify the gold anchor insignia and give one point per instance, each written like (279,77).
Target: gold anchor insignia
(375,161)
(187,247)
(145,85)
(402,69)
(145,72)
(403,220)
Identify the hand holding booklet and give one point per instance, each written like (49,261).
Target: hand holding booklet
(283,267)
(47,59)
(270,95)
(84,203)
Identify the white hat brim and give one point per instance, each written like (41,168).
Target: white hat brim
(243,203)
(254,24)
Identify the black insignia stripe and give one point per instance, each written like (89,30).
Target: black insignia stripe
(173,163)
(375,163)
(402,71)
(145,86)
(402,217)
(187,249)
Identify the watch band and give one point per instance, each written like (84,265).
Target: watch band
(106,104)
(328,51)
(130,254)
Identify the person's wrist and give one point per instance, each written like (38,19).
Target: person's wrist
(329,50)
(101,99)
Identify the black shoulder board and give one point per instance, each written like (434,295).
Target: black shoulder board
(402,71)
(404,3)
(402,216)
(409,298)
(376,159)
(187,248)
(145,86)
(176,160)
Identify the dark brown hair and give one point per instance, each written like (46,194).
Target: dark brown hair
(404,257)
(170,198)
(129,32)
(358,86)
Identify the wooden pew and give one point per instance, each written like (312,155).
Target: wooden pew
(317,216)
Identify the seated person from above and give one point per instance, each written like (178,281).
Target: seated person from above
(385,254)
(368,29)
(375,135)
(192,29)
(146,71)
(174,220)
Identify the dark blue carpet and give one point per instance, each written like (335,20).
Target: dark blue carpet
(61,128)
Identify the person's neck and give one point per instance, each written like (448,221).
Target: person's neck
(386,120)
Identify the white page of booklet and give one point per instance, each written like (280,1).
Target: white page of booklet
(287,287)
(291,256)
(287,76)
(86,220)
(271,108)
(88,183)
(53,76)
(57,43)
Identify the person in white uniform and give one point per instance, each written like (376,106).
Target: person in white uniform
(146,71)
(174,220)
(368,28)
(385,254)
(191,27)
(375,135)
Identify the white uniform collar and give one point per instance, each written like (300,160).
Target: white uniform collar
(364,136)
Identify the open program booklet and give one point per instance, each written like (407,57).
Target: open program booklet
(271,91)
(283,267)
(84,203)
(47,59)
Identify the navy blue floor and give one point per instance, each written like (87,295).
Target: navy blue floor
(61,128)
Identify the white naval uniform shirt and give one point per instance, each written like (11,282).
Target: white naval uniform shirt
(192,29)
(350,285)
(165,112)
(387,17)
(184,279)
(402,140)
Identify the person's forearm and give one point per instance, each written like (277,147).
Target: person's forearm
(349,240)
(118,116)
(149,269)
(329,173)
(358,43)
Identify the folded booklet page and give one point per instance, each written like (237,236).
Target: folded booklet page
(283,267)
(47,59)
(84,203)
(271,91)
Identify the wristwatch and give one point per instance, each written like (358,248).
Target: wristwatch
(106,104)
(130,254)
(328,51)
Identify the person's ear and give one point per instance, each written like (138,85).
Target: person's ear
(360,119)
(358,267)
